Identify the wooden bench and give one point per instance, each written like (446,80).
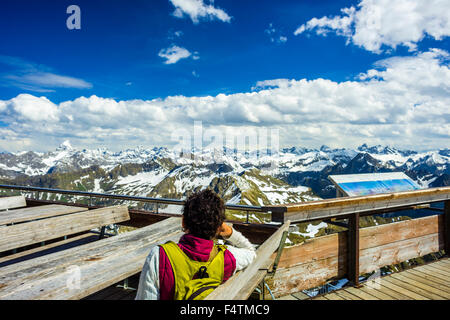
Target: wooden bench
(12,202)
(78,272)
(61,225)
(53,222)
(36,213)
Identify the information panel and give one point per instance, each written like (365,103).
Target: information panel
(372,183)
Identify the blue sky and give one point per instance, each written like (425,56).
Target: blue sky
(119,42)
(118,54)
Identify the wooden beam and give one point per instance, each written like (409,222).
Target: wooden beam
(353,250)
(12,202)
(447,227)
(98,264)
(231,289)
(19,235)
(337,207)
(33,213)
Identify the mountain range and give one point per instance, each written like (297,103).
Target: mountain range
(255,178)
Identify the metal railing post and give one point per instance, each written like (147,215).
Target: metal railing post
(279,251)
(102,233)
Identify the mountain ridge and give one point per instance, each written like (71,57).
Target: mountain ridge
(161,172)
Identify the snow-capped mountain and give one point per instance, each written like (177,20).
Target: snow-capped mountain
(259,178)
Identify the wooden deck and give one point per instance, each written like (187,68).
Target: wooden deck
(117,291)
(426,282)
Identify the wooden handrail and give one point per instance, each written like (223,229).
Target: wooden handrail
(346,206)
(241,285)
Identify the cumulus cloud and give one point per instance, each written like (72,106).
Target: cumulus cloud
(29,107)
(197,10)
(375,24)
(174,53)
(400,101)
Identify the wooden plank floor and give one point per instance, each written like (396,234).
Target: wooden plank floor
(426,282)
(117,292)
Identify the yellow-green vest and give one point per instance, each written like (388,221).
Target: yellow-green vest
(184,269)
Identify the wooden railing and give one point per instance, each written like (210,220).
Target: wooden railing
(345,207)
(356,251)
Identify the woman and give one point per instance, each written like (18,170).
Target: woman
(197,264)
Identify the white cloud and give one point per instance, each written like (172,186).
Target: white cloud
(175,34)
(275,35)
(341,25)
(174,53)
(3,106)
(29,107)
(197,9)
(50,80)
(377,23)
(33,77)
(276,83)
(401,101)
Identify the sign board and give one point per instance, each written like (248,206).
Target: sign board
(372,183)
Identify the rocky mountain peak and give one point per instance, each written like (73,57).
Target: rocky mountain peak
(65,146)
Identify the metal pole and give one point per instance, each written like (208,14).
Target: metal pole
(280,250)
(102,232)
(125,197)
(263,291)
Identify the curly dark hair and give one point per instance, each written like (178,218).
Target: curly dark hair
(204,213)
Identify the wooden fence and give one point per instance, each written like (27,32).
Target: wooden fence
(356,251)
